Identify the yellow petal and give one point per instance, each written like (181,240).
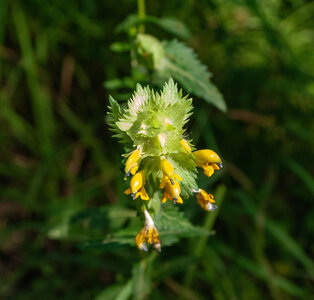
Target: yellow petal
(215,167)
(140,240)
(132,161)
(137,181)
(185,145)
(163,182)
(165,197)
(128,191)
(143,194)
(134,170)
(208,170)
(206,156)
(180,200)
(176,176)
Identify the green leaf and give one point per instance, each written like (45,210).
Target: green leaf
(110,293)
(172,224)
(171,25)
(142,277)
(181,63)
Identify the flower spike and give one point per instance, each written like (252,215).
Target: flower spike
(154,124)
(132,163)
(148,234)
(137,186)
(208,160)
(205,200)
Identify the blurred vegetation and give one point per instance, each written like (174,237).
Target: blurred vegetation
(61,186)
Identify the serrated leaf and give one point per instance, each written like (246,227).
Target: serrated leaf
(181,63)
(171,222)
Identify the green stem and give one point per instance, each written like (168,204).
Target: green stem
(201,242)
(141,9)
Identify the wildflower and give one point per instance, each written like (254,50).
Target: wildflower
(148,234)
(185,145)
(132,163)
(154,123)
(168,171)
(171,192)
(208,160)
(137,186)
(205,200)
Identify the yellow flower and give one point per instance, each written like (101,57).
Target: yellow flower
(148,234)
(168,171)
(171,192)
(132,163)
(205,200)
(137,186)
(185,145)
(208,160)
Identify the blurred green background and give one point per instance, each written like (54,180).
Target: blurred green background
(58,159)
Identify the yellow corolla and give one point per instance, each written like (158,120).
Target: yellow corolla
(172,192)
(208,160)
(168,171)
(132,163)
(137,186)
(148,234)
(185,145)
(205,200)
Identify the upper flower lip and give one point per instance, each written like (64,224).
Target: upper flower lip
(132,163)
(206,156)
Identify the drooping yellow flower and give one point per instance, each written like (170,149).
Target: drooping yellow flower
(168,171)
(148,234)
(132,163)
(185,145)
(171,192)
(205,200)
(208,160)
(137,186)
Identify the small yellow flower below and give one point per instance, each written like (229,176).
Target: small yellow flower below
(148,234)
(205,200)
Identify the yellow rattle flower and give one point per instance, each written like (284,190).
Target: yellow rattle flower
(205,200)
(137,186)
(171,192)
(208,160)
(132,163)
(148,234)
(168,171)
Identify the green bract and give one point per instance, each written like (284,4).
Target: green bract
(154,122)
